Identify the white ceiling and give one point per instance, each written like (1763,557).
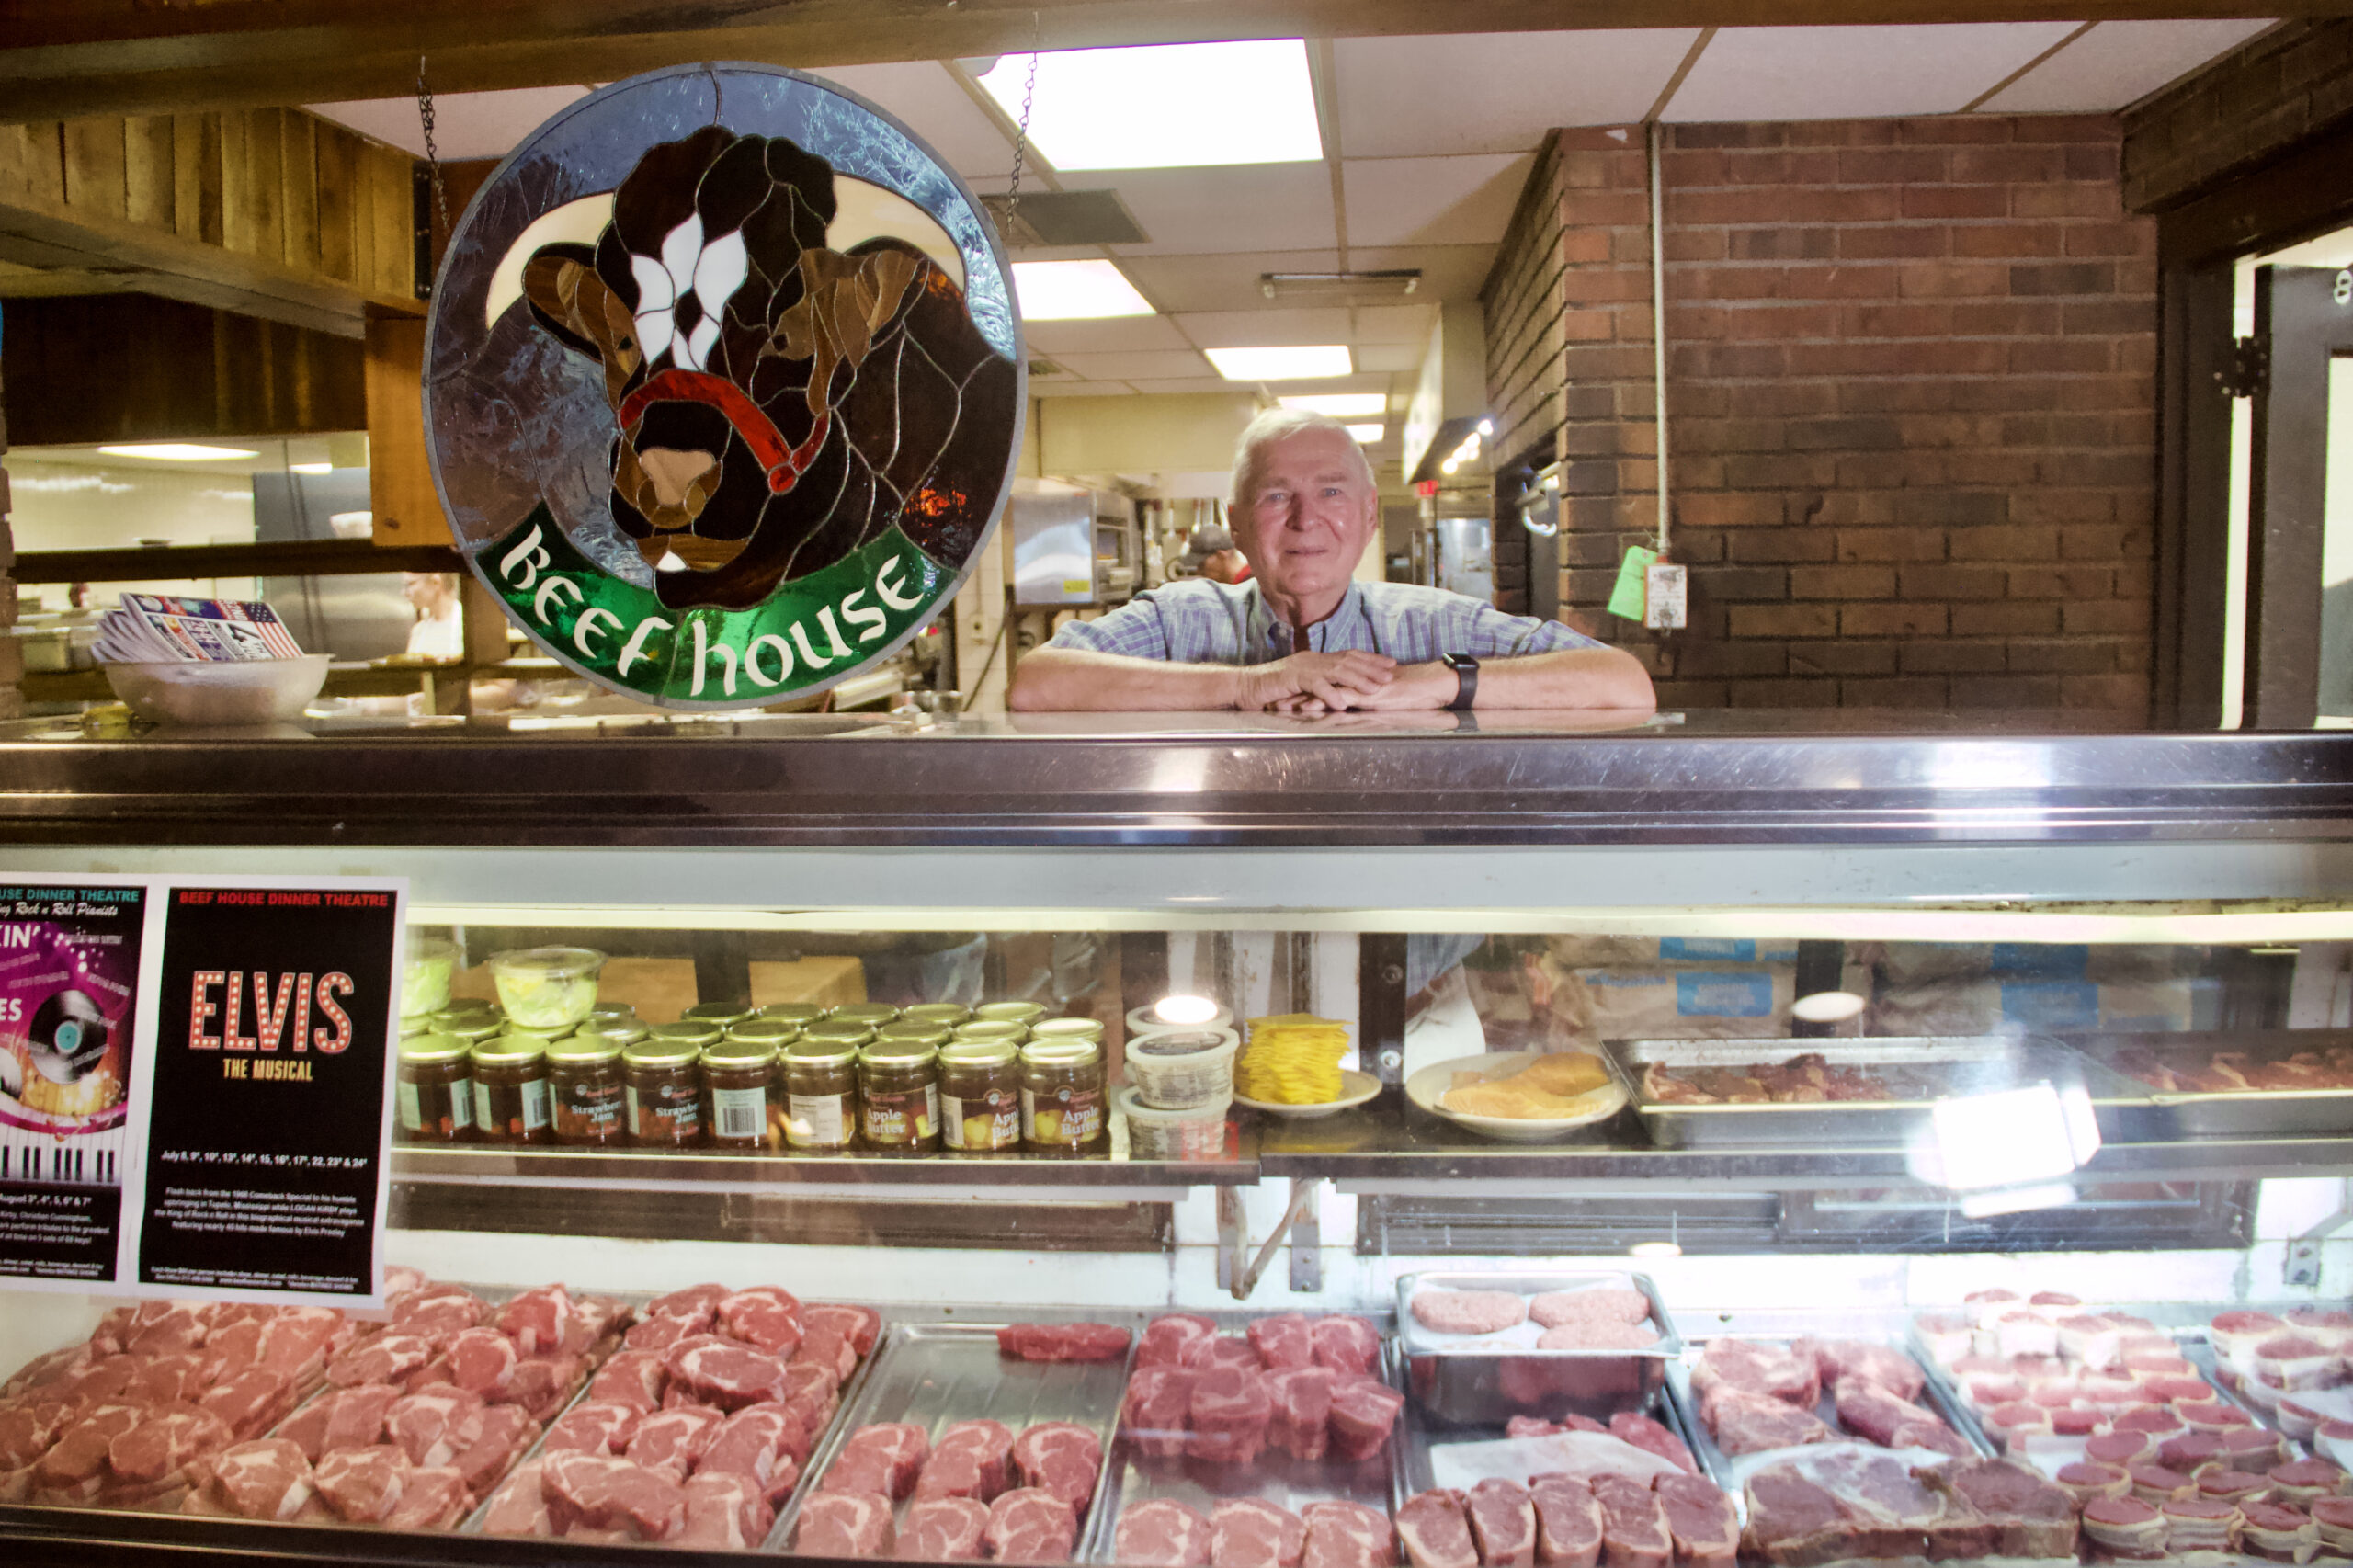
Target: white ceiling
(1428,141)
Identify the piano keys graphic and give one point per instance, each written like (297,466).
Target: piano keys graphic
(88,1159)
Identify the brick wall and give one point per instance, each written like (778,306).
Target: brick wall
(2255,102)
(1911,377)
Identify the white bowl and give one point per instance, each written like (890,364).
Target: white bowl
(1428,1084)
(1356,1089)
(248,691)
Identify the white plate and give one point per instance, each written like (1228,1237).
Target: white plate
(1425,1087)
(1355,1089)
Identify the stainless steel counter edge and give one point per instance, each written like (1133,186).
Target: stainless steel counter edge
(469,788)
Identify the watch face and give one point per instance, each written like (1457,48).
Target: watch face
(724,385)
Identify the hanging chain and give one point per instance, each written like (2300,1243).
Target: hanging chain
(432,157)
(1021,142)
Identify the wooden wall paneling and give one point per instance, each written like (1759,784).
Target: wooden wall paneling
(400,479)
(392,217)
(32,160)
(198,154)
(299,173)
(147,171)
(336,153)
(252,200)
(94,167)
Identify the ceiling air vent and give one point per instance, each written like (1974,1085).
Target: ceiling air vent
(1066,218)
(1341,287)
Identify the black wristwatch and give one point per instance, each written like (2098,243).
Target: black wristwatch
(1466,672)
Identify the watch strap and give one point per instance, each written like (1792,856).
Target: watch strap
(1466,675)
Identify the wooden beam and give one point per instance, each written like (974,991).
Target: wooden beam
(400,474)
(84,57)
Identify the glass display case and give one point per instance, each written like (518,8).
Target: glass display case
(1233,1140)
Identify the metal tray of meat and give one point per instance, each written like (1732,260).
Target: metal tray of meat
(1423,1464)
(2187,1112)
(1133,1477)
(1918,1072)
(1730,1470)
(2199,1352)
(936,1374)
(1486,1380)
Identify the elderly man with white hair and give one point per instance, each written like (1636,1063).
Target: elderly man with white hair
(1302,635)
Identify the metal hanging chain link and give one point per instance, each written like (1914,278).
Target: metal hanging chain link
(432,156)
(1021,142)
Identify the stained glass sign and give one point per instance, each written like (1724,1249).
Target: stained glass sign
(724,385)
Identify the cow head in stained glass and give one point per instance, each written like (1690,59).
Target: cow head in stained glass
(790,363)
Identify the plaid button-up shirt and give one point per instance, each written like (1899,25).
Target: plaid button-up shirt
(1198,621)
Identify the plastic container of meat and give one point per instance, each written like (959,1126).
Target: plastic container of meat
(1483,1380)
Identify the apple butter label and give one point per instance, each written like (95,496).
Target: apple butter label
(992,1121)
(725,385)
(1066,1117)
(902,1118)
(817,1122)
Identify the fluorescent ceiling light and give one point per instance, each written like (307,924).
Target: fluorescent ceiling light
(1281,364)
(311,468)
(1366,434)
(178,451)
(1339,405)
(1075,290)
(1167,106)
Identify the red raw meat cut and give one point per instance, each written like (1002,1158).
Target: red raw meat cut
(1504,1521)
(1062,1342)
(267,1479)
(362,1485)
(827,1350)
(1284,1342)
(519,1509)
(1232,1410)
(972,1459)
(1061,1459)
(171,1380)
(431,1499)
(542,1384)
(1568,1522)
(2198,1525)
(1346,1344)
(1837,1360)
(1467,1312)
(2032,1517)
(74,1470)
(885,1458)
(1221,1350)
(1634,1531)
(1873,1410)
(765,1316)
(1302,1400)
(810,1381)
(1028,1525)
(633,1378)
(861,1326)
(2155,1419)
(2190,1451)
(1249,1532)
(724,1512)
(1607,1303)
(844,1524)
(2301,1481)
(1166,1340)
(728,1376)
(2233,1485)
(481,1360)
(697,1304)
(387,1359)
(443,1318)
(1157,1409)
(1347,1535)
(422,1425)
(537,1320)
(944,1530)
(1598,1334)
(1531,1427)
(1758,1368)
(163,1444)
(2086,1481)
(1632,1426)
(1793,1522)
(2277,1532)
(250,1403)
(1363,1411)
(488,1441)
(1700,1521)
(593,1427)
(27,1431)
(1748,1423)
(1436,1532)
(756,1443)
(2125,1528)
(658,1334)
(1161,1533)
(611,1495)
(673,1442)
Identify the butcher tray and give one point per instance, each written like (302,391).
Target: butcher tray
(1133,1477)
(1424,1465)
(2185,1113)
(936,1374)
(1931,1069)
(1486,1380)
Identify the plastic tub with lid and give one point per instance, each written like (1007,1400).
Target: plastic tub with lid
(1183,1069)
(540,987)
(1195,1134)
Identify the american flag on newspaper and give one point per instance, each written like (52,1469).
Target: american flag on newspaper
(155,627)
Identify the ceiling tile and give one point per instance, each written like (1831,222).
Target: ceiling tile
(1114,335)
(1854,73)
(465,125)
(1389,356)
(1362,381)
(2117,63)
(1188,384)
(1404,201)
(1496,92)
(1449,272)
(1157,364)
(1080,388)
(1394,323)
(1217,282)
(922,94)
(1243,207)
(1248,329)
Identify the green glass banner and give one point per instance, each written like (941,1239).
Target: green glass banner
(812,630)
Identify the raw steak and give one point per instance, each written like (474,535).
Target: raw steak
(697,1304)
(1608,1303)
(1630,1427)
(633,1378)
(1158,1408)
(488,1441)
(362,1485)
(944,1530)
(1161,1533)
(1839,1360)
(1028,1525)
(250,1403)
(672,1442)
(728,1376)
(268,1478)
(1347,1535)
(859,1325)
(1284,1342)
(765,1316)
(1303,1411)
(163,1444)
(1568,1521)
(1700,1518)
(1793,1522)
(2277,1532)
(1467,1312)
(611,1495)
(2032,1517)
(1166,1340)
(1363,1411)
(1758,1368)
(1634,1531)
(1061,1459)
(843,1524)
(434,1498)
(1247,1532)
(885,1458)
(1346,1344)
(593,1427)
(1869,1410)
(1436,1532)
(1221,1350)
(542,1385)
(972,1459)
(758,1443)
(724,1512)
(1231,1413)
(1748,1423)
(387,1359)
(481,1360)
(1062,1342)
(424,1424)
(1504,1521)
(537,1320)
(520,1508)
(658,1334)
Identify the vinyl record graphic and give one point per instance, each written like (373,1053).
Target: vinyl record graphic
(69,1037)
(724,385)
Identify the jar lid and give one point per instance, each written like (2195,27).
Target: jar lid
(1010,1012)
(1179,1043)
(934,1035)
(510,1050)
(979,1053)
(869,1013)
(1066,1028)
(686,1031)
(899,1054)
(608,1012)
(586,1049)
(809,1051)
(619,1031)
(415,1023)
(660,1053)
(470,1026)
(552,962)
(803,1012)
(1060,1052)
(433,1049)
(739,1055)
(725,1013)
(768,1032)
(539,1031)
(994,1029)
(948,1012)
(839,1033)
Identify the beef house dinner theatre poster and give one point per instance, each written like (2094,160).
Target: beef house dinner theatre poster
(263,1104)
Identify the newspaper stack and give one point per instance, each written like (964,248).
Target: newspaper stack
(151,629)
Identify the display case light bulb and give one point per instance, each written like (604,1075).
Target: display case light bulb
(1655,1249)
(1486,427)
(1183,1009)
